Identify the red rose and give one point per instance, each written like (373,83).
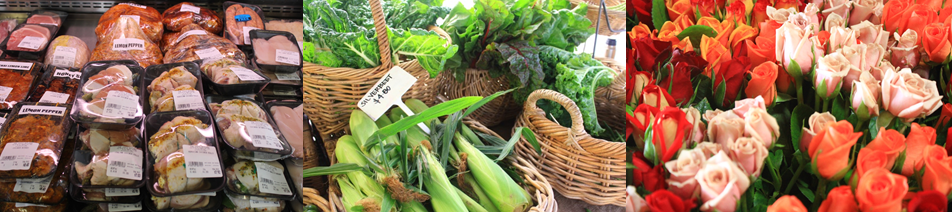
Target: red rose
(945,117)
(731,74)
(924,201)
(648,51)
(643,115)
(656,97)
(669,132)
(687,65)
(645,175)
(664,200)
(759,13)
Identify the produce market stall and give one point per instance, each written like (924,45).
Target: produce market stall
(152,106)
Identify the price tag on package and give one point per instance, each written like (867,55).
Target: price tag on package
(5,92)
(25,205)
(209,53)
(201,161)
(133,17)
(30,42)
(54,97)
(36,186)
(387,92)
(287,76)
(122,192)
(64,56)
(261,202)
(125,162)
(17,155)
(187,100)
(262,135)
(287,57)
(66,73)
(121,104)
(125,207)
(190,8)
(245,74)
(246,31)
(190,32)
(271,179)
(126,44)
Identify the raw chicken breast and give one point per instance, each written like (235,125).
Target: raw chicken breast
(172,79)
(167,101)
(265,50)
(290,122)
(118,74)
(239,107)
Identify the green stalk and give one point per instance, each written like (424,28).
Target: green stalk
(350,194)
(361,127)
(471,135)
(412,207)
(505,194)
(347,152)
(480,194)
(471,204)
(443,196)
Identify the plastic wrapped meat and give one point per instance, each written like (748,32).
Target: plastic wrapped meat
(169,80)
(173,134)
(68,52)
(45,130)
(37,36)
(266,50)
(295,27)
(181,202)
(147,18)
(238,107)
(12,207)
(182,14)
(221,71)
(48,190)
(172,177)
(171,38)
(60,81)
(242,203)
(239,19)
(19,81)
(166,102)
(47,18)
(115,78)
(236,133)
(243,176)
(94,173)
(185,50)
(124,40)
(291,125)
(5,26)
(99,140)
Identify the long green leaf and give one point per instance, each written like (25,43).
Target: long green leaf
(339,168)
(659,13)
(695,32)
(439,110)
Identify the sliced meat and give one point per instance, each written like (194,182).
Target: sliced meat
(44,19)
(32,31)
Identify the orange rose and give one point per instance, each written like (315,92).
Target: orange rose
(762,82)
(892,15)
(723,28)
(762,51)
(945,15)
(669,32)
(938,168)
(935,42)
(840,199)
(890,142)
(759,14)
(640,31)
(787,203)
(741,34)
(918,16)
(869,159)
(919,138)
(737,11)
(684,21)
(879,190)
(784,80)
(714,53)
(768,29)
(832,146)
(677,8)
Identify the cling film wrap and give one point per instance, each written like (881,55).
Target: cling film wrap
(58,85)
(169,39)
(191,48)
(125,40)
(171,165)
(67,51)
(239,19)
(49,190)
(16,80)
(177,17)
(41,126)
(108,96)
(147,18)
(247,129)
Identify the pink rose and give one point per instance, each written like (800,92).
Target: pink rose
(833,21)
(829,74)
(682,182)
(865,96)
(741,107)
(908,96)
(862,57)
(780,15)
(839,7)
(869,33)
(722,183)
(905,53)
(794,43)
(817,122)
(761,125)
(698,131)
(709,149)
(749,154)
(634,202)
(724,128)
(866,10)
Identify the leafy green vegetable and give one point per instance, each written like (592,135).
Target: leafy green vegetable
(577,77)
(427,47)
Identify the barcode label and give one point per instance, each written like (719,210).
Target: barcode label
(126,44)
(288,76)
(271,178)
(201,161)
(262,135)
(190,32)
(30,42)
(4,92)
(125,162)
(133,17)
(288,57)
(209,54)
(16,65)
(25,205)
(64,56)
(245,74)
(122,192)
(66,73)
(121,104)
(42,110)
(54,97)
(261,202)
(17,155)
(188,100)
(190,8)
(125,207)
(29,185)
(246,31)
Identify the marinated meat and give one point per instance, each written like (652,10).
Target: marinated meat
(240,204)
(60,81)
(94,173)
(237,18)
(147,18)
(97,88)
(182,14)
(46,131)
(295,27)
(185,49)
(68,52)
(20,81)
(171,38)
(181,202)
(238,107)
(232,130)
(12,207)
(266,50)
(173,134)
(243,176)
(166,102)
(99,140)
(221,71)
(37,35)
(49,19)
(124,40)
(290,122)
(170,80)
(172,178)
(55,191)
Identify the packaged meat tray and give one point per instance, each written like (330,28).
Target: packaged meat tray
(230,77)
(246,127)
(171,87)
(68,52)
(295,26)
(258,178)
(57,85)
(107,195)
(108,97)
(182,14)
(124,40)
(170,39)
(108,159)
(203,47)
(7,25)
(284,78)
(285,91)
(177,139)
(147,19)
(276,50)
(49,190)
(47,17)
(289,116)
(33,139)
(295,167)
(244,203)
(107,207)
(27,207)
(16,80)
(210,201)
(29,41)
(240,18)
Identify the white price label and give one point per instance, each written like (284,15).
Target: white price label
(188,100)
(190,32)
(34,185)
(134,5)
(245,74)
(121,104)
(2,121)
(264,156)
(17,155)
(4,92)
(66,73)
(190,8)
(261,202)
(201,161)
(209,194)
(288,76)
(209,53)
(125,207)
(122,192)
(289,57)
(262,135)
(126,44)
(54,97)
(284,92)
(42,110)
(24,205)
(30,42)
(125,162)
(246,31)
(15,65)
(133,17)
(271,179)
(64,56)
(388,91)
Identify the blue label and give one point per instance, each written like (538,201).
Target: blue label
(242,17)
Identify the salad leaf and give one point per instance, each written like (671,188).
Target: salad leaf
(430,50)
(577,77)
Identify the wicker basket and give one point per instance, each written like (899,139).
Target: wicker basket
(480,83)
(617,18)
(331,93)
(312,197)
(578,165)
(609,100)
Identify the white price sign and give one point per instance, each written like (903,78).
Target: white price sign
(262,135)
(66,73)
(125,207)
(121,104)
(42,110)
(261,202)
(288,76)
(15,65)
(245,74)
(126,44)
(122,192)
(17,155)
(271,179)
(54,97)
(288,57)
(30,42)
(125,162)
(187,100)
(387,92)
(25,205)
(5,92)
(190,8)
(34,185)
(246,31)
(201,161)
(64,56)
(209,53)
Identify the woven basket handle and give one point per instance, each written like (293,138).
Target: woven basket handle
(383,40)
(578,127)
